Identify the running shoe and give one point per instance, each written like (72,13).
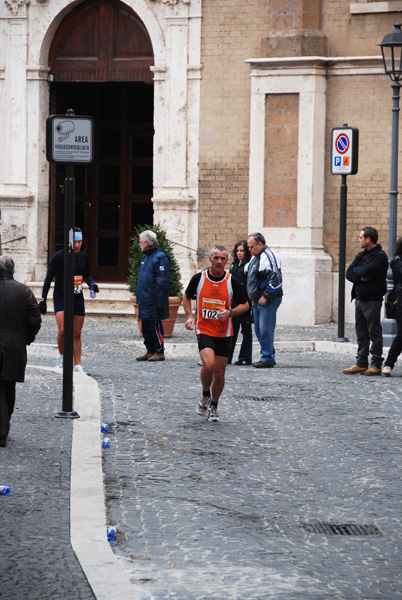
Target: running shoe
(59,364)
(79,369)
(203,406)
(213,414)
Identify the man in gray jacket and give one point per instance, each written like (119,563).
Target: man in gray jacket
(20,321)
(264,288)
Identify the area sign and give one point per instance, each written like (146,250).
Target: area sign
(345,151)
(69,139)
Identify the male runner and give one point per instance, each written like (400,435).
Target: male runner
(215,291)
(81,274)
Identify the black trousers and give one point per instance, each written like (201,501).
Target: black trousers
(7,402)
(396,347)
(368,329)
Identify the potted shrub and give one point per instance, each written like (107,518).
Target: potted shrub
(175,287)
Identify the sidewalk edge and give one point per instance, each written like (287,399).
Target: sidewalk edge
(105,574)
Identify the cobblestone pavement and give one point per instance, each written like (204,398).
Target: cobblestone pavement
(36,559)
(223,510)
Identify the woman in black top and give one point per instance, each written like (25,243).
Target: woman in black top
(396,348)
(238,269)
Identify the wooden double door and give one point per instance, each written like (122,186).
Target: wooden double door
(100,63)
(113,194)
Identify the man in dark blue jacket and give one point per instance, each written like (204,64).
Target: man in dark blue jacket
(368,273)
(152,295)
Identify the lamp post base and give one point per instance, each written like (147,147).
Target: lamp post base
(67,415)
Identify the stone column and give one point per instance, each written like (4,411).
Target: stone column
(177,131)
(295,30)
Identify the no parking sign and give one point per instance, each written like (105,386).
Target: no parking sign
(345,150)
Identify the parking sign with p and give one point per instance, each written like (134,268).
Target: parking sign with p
(345,151)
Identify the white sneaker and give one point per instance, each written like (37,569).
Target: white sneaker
(386,372)
(59,364)
(203,406)
(213,414)
(79,369)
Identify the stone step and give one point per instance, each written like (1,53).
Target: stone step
(113,299)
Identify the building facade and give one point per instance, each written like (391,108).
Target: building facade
(212,117)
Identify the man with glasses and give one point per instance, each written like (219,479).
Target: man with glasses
(214,290)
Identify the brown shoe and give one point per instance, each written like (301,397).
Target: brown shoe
(373,371)
(353,370)
(145,356)
(263,365)
(155,357)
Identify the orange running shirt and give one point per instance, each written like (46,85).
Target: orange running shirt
(213,296)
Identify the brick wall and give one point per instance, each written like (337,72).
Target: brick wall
(231,33)
(281,151)
(364,102)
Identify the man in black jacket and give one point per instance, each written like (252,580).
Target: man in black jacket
(368,273)
(20,321)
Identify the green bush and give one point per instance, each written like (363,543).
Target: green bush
(176,286)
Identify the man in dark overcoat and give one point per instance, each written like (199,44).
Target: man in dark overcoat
(20,321)
(152,295)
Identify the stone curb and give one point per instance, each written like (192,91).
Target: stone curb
(190,349)
(104,572)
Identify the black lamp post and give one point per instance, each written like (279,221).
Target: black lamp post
(391,48)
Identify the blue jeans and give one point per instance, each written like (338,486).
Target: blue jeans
(264,325)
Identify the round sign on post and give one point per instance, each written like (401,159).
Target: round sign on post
(345,149)
(342,143)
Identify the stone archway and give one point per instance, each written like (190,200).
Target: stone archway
(100,63)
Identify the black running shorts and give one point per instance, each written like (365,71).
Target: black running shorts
(220,345)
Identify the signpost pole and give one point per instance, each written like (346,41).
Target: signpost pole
(344,161)
(69,141)
(68,346)
(342,261)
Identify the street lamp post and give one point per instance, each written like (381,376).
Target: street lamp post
(391,48)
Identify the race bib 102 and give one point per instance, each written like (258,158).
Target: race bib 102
(210,308)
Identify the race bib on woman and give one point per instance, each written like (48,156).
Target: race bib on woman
(78,284)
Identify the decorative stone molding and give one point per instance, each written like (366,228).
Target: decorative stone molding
(15,5)
(174,2)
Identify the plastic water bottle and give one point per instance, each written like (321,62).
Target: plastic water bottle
(104,428)
(111,533)
(4,490)
(106,443)
(92,293)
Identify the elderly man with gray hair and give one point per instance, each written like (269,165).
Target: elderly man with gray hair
(152,296)
(20,321)
(264,288)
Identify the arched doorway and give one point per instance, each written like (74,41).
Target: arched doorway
(100,62)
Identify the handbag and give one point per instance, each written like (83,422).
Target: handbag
(390,304)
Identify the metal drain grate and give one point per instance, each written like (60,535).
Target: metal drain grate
(341,529)
(262,398)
